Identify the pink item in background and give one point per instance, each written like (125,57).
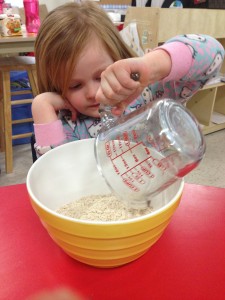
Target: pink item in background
(31,9)
(6,8)
(1,8)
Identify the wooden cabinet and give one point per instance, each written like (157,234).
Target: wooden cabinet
(156,25)
(207,102)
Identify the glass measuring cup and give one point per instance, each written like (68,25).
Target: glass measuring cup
(142,153)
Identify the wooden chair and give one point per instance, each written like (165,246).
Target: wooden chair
(8,64)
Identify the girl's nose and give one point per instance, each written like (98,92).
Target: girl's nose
(91,90)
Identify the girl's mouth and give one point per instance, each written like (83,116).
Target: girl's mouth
(94,105)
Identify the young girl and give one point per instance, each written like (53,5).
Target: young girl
(82,62)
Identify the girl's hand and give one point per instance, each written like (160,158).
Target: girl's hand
(45,108)
(117,89)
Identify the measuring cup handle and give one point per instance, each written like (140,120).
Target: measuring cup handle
(105,111)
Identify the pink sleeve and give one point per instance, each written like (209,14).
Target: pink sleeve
(181,58)
(49,134)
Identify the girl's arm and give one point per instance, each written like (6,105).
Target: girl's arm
(48,128)
(118,89)
(184,61)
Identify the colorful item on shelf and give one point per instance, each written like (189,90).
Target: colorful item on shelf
(10,24)
(31,8)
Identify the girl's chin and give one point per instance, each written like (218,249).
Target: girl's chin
(93,114)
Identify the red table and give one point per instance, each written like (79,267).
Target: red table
(188,262)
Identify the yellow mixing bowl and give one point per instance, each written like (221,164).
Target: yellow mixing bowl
(69,172)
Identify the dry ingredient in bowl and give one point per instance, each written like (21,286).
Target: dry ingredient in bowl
(101,208)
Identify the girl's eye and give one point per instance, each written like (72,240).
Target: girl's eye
(75,86)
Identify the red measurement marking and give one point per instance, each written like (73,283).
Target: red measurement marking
(128,177)
(125,163)
(134,133)
(156,162)
(147,172)
(149,164)
(130,185)
(126,138)
(135,166)
(147,151)
(114,146)
(130,149)
(107,149)
(137,175)
(116,169)
(135,158)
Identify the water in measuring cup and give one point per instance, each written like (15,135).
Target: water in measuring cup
(149,149)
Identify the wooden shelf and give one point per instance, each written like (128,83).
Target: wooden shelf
(214,85)
(213,128)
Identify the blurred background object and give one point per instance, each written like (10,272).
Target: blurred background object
(56,294)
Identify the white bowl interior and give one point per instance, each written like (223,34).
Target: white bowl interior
(69,172)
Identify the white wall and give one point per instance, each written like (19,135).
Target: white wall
(49,3)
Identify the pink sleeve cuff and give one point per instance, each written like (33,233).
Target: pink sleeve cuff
(181,58)
(49,134)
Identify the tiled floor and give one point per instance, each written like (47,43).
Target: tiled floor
(22,162)
(211,171)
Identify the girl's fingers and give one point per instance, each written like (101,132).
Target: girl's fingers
(121,106)
(112,93)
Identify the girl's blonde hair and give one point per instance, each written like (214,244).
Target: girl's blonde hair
(62,36)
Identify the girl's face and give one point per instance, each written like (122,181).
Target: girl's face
(86,78)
